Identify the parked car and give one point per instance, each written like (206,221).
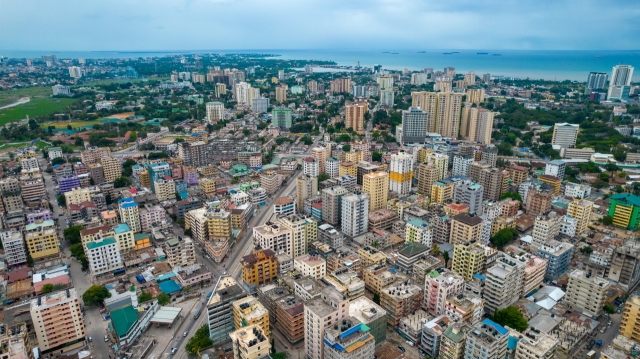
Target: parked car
(174,350)
(106,338)
(185,333)
(591,344)
(90,339)
(409,342)
(401,348)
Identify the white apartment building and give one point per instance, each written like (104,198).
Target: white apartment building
(503,284)
(321,312)
(565,134)
(355,214)
(215,111)
(29,163)
(568,226)
(14,248)
(586,293)
(333,167)
(401,173)
(461,165)
(311,167)
(555,168)
(438,288)
(576,190)
(544,229)
(103,256)
(311,265)
(274,236)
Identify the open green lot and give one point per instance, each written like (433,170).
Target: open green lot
(73,124)
(10,96)
(38,106)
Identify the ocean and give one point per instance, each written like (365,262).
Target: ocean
(543,64)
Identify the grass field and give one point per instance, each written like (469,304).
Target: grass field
(73,124)
(38,106)
(11,96)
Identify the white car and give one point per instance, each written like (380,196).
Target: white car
(409,343)
(106,338)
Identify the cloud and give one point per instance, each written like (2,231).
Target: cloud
(318,24)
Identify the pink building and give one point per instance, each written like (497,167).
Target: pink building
(255,160)
(43,214)
(176,172)
(322,312)
(149,215)
(439,284)
(190,176)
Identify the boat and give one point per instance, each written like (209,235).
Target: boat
(482,53)
(455,52)
(422,52)
(385,52)
(394,53)
(446,53)
(497,54)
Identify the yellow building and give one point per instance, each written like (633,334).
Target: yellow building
(208,185)
(259,267)
(281,94)
(465,228)
(376,184)
(427,176)
(630,326)
(441,192)
(249,311)
(112,168)
(348,168)
(475,95)
(124,236)
(468,259)
(370,256)
(145,178)
(401,173)
(353,156)
(219,224)
(41,239)
(552,181)
(501,223)
(580,209)
(77,196)
(250,342)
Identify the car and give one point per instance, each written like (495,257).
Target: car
(608,323)
(409,342)
(603,330)
(61,214)
(401,348)
(185,333)
(90,339)
(174,350)
(106,338)
(591,344)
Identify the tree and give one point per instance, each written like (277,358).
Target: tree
(346,148)
(95,294)
(607,220)
(199,341)
(58,161)
(435,251)
(144,297)
(586,249)
(445,256)
(609,309)
(514,195)
(511,317)
(122,181)
(47,288)
(108,199)
(376,156)
(62,200)
(503,237)
(306,140)
(72,234)
(323,177)
(164,298)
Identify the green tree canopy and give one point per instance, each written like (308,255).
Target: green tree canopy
(503,237)
(58,161)
(323,177)
(145,297)
(122,181)
(511,317)
(72,234)
(514,195)
(199,341)
(95,294)
(607,220)
(164,298)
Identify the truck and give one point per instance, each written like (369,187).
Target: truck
(140,279)
(591,354)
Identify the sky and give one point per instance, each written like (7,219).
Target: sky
(127,25)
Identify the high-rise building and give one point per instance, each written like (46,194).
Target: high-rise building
(376,184)
(193,154)
(453,340)
(461,165)
(440,284)
(260,267)
(306,187)
(596,81)
(545,228)
(414,126)
(476,124)
(470,194)
(332,204)
(427,176)
(475,95)
(355,214)
(465,227)
(565,134)
(467,307)
(250,342)
(320,313)
(401,173)
(580,209)
(630,326)
(387,98)
(260,104)
(385,82)
(14,249)
(129,214)
(274,236)
(535,344)
(112,168)
(625,210)
(242,93)
(60,90)
(42,239)
(441,161)
(310,167)
(215,111)
(332,166)
(220,317)
(304,230)
(282,117)
(103,256)
(350,339)
(503,284)
(281,94)
(59,319)
(559,255)
(442,109)
(468,259)
(249,311)
(586,293)
(494,181)
(487,340)
(75,72)
(354,115)
(621,75)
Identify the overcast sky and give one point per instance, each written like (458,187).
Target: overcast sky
(68,25)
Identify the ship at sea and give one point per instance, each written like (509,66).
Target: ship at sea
(455,52)
(385,52)
(394,53)
(497,54)
(483,53)
(447,53)
(422,52)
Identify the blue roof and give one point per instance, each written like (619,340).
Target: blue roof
(513,342)
(121,228)
(165,276)
(169,286)
(417,222)
(497,326)
(183,194)
(479,276)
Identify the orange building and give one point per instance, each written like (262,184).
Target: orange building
(259,267)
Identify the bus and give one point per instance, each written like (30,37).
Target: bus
(195,316)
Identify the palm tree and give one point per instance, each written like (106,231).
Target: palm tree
(445,256)
(435,251)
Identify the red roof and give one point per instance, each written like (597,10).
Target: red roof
(317,205)
(61,279)
(19,274)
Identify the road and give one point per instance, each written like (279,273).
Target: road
(242,247)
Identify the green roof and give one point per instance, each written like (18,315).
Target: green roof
(172,242)
(416,222)
(123,319)
(102,243)
(456,338)
(139,236)
(413,248)
(434,274)
(627,197)
(32,226)
(55,149)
